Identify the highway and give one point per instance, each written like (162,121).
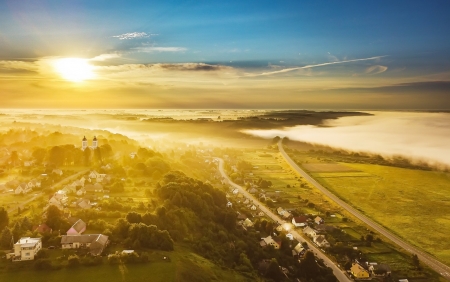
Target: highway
(340,275)
(433,263)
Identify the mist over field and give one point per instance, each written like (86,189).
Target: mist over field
(419,136)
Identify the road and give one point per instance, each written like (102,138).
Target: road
(67,179)
(336,271)
(433,263)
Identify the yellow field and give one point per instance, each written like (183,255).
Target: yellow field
(414,204)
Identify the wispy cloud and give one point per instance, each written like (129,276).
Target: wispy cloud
(159,49)
(312,66)
(104,57)
(375,69)
(133,35)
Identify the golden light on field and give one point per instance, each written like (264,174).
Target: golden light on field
(74,69)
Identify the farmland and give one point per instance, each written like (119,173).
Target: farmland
(398,198)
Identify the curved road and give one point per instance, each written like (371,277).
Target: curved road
(433,263)
(336,271)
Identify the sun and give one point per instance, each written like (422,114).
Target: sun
(74,69)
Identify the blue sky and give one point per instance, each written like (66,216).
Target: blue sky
(247,36)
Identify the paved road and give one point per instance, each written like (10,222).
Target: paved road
(433,263)
(67,179)
(336,271)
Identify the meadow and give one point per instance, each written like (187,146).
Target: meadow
(179,265)
(414,204)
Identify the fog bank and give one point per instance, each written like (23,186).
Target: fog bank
(418,136)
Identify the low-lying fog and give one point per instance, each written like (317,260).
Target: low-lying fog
(419,136)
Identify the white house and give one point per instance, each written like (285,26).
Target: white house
(57,171)
(22,188)
(247,223)
(253,208)
(25,249)
(310,232)
(229,205)
(298,250)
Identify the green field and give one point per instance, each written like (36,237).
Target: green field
(415,204)
(183,266)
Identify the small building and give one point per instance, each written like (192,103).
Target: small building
(318,220)
(358,271)
(321,241)
(57,171)
(280,211)
(269,241)
(229,205)
(300,221)
(96,243)
(247,223)
(299,250)
(310,232)
(253,208)
(26,248)
(77,228)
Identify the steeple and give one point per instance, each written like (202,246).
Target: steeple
(84,143)
(94,143)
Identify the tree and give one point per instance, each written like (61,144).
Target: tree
(39,155)
(14,158)
(274,271)
(54,218)
(416,262)
(6,238)
(73,261)
(4,218)
(56,156)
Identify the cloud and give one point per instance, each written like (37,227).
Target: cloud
(420,136)
(133,35)
(312,66)
(192,67)
(18,65)
(375,69)
(158,49)
(104,57)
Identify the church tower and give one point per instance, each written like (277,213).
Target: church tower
(84,143)
(94,143)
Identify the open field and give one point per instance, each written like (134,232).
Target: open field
(327,167)
(183,266)
(414,204)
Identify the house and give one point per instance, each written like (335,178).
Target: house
(247,223)
(57,171)
(310,232)
(22,188)
(241,216)
(260,213)
(321,241)
(235,191)
(77,228)
(358,271)
(25,249)
(246,201)
(269,241)
(253,208)
(298,250)
(81,192)
(318,220)
(96,243)
(380,270)
(43,229)
(56,202)
(290,236)
(82,203)
(300,221)
(287,215)
(280,211)
(253,191)
(229,205)
(28,163)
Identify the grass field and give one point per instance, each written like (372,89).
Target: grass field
(327,167)
(414,204)
(183,266)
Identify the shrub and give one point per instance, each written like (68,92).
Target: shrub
(43,264)
(73,261)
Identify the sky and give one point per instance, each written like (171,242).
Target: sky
(225,54)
